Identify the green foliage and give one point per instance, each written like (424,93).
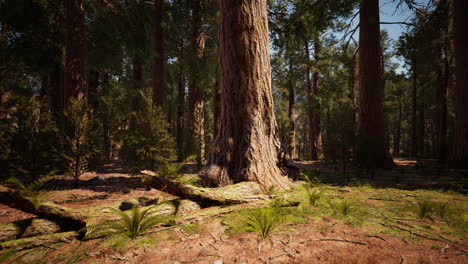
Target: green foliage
(343,208)
(264,221)
(312,196)
(31,191)
(30,140)
(311,177)
(148,144)
(137,222)
(83,139)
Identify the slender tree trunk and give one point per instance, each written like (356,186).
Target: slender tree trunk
(137,86)
(414,119)
(75,44)
(312,113)
(440,115)
(93,90)
(291,116)
(196,102)
(317,135)
(397,138)
(56,96)
(247,146)
(181,106)
(159,84)
(460,148)
(372,151)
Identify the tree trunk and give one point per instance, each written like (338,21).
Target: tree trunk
(414,119)
(28,228)
(159,85)
(137,73)
(291,116)
(397,137)
(247,146)
(317,135)
(56,91)
(310,99)
(75,44)
(196,102)
(440,113)
(181,106)
(460,149)
(372,151)
(93,90)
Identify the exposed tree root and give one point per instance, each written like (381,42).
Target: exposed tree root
(39,241)
(29,228)
(244,192)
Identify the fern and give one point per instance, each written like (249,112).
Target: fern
(31,191)
(137,222)
(265,222)
(343,208)
(312,196)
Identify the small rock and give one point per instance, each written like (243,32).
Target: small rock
(96,180)
(218,262)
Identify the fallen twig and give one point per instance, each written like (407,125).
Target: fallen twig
(336,239)
(197,259)
(402,258)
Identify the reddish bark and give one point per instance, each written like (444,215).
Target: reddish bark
(159,85)
(460,149)
(372,151)
(75,44)
(247,146)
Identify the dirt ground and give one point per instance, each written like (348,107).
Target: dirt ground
(318,240)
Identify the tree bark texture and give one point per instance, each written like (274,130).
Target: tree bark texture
(196,102)
(75,55)
(460,149)
(159,84)
(372,151)
(56,95)
(247,146)
(414,107)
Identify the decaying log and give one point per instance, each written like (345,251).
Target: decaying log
(244,192)
(29,228)
(74,219)
(37,241)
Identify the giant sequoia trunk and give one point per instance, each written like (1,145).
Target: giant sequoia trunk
(180,106)
(159,90)
(317,134)
(247,146)
(460,150)
(372,151)
(196,103)
(75,43)
(414,118)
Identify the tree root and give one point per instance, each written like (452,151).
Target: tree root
(335,239)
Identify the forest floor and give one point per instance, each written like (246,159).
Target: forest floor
(360,217)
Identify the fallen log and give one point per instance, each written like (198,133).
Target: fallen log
(29,228)
(244,192)
(37,241)
(74,219)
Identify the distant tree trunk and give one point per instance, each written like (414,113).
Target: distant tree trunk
(414,118)
(460,148)
(75,44)
(181,106)
(56,96)
(93,90)
(440,113)
(217,108)
(137,86)
(196,102)
(311,106)
(291,116)
(159,85)
(372,151)
(106,85)
(317,135)
(247,146)
(397,137)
